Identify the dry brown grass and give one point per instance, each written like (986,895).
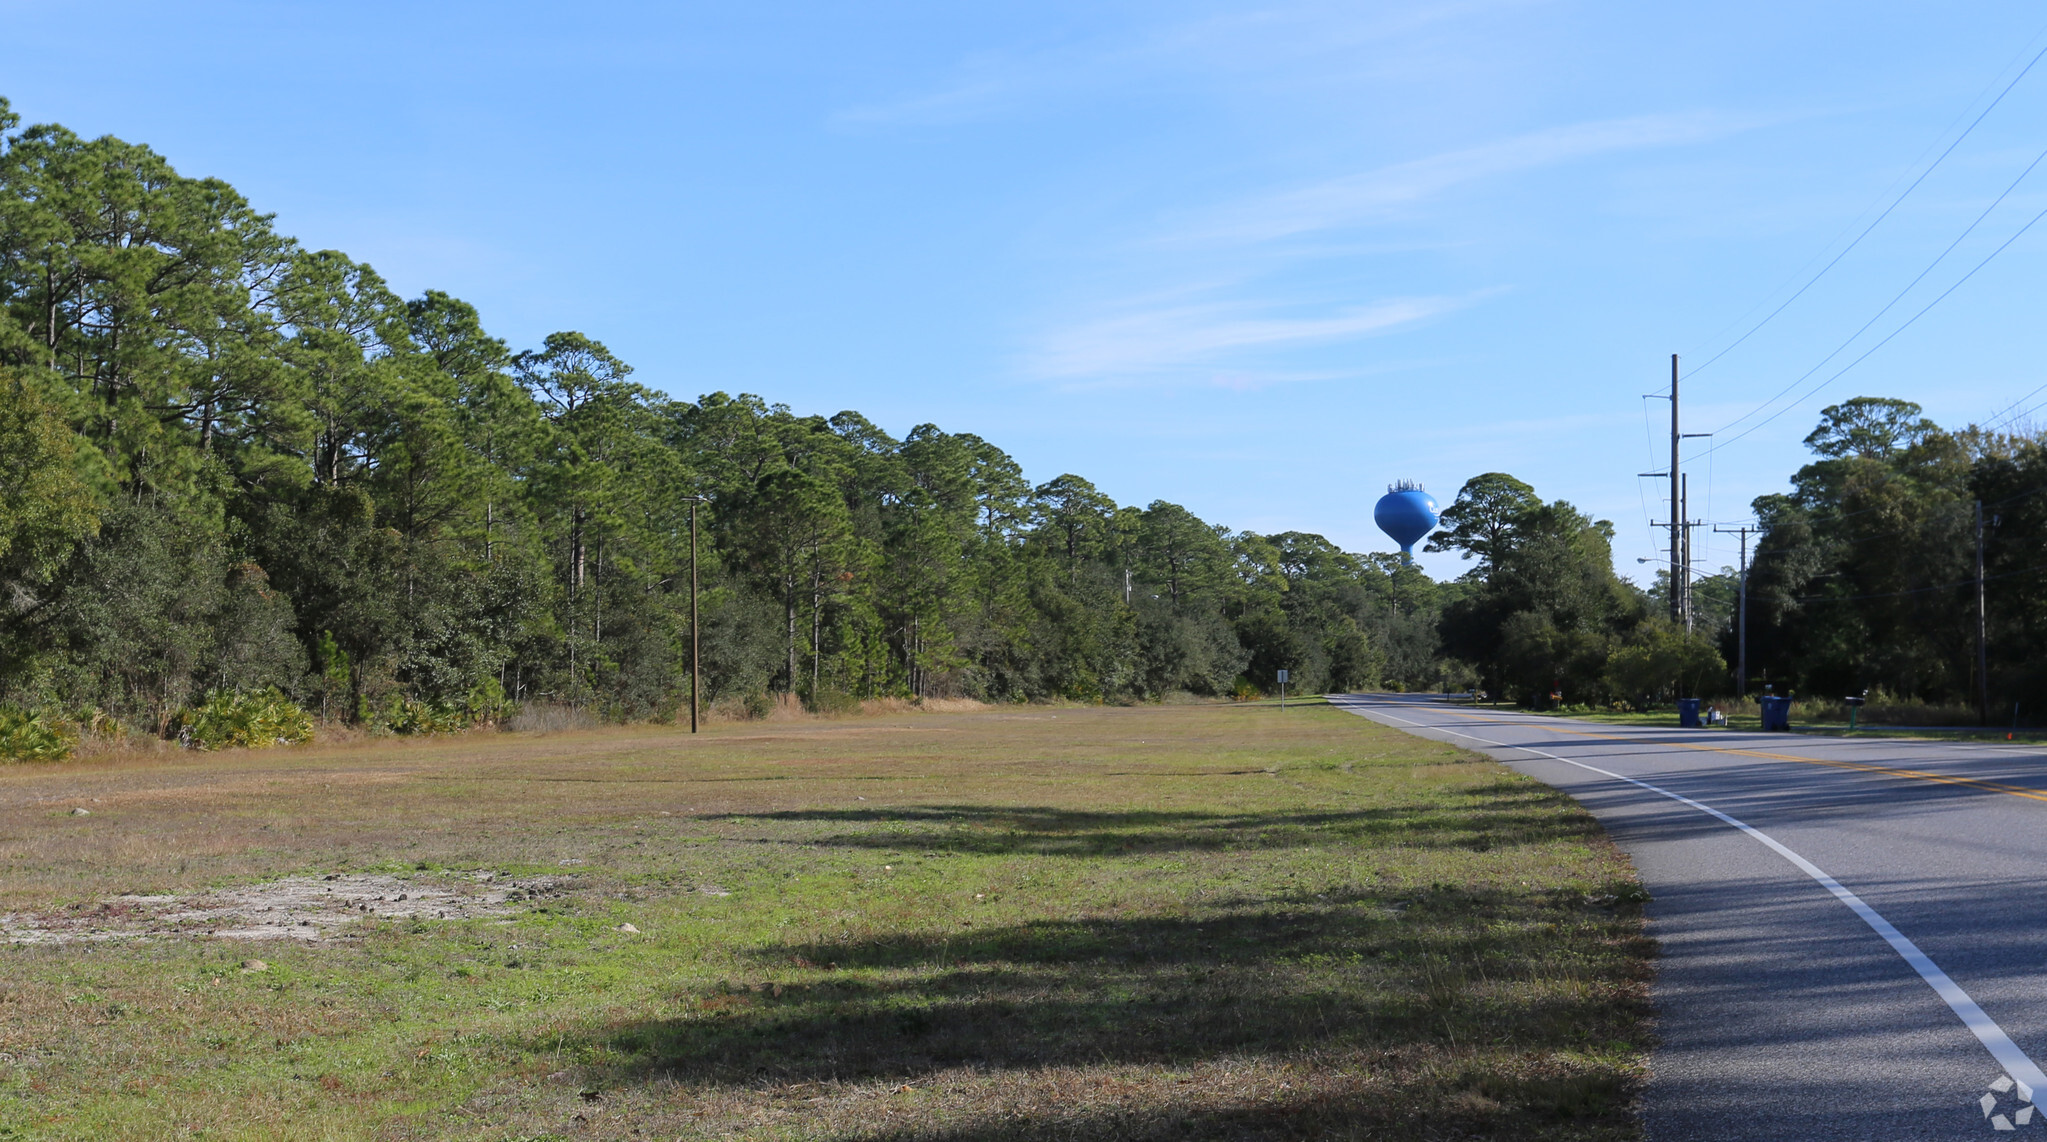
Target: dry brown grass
(547,718)
(1189,921)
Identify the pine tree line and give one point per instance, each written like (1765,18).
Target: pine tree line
(231,464)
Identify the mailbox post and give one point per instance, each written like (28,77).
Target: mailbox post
(1855,707)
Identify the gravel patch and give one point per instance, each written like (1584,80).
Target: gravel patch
(304,908)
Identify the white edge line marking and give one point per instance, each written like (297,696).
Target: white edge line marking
(2007,1053)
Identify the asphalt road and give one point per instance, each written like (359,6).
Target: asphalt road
(1854,932)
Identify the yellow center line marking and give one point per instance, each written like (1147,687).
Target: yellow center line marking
(1885,770)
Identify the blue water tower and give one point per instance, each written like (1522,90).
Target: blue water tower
(1407,513)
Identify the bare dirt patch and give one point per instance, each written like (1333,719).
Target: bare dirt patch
(302,908)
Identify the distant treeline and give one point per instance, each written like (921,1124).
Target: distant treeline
(1866,576)
(230,464)
(1863,580)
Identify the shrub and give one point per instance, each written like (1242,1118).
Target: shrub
(406,715)
(237,720)
(1662,660)
(34,735)
(484,705)
(833,703)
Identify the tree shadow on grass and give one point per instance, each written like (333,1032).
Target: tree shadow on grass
(1578,1106)
(1502,814)
(1521,978)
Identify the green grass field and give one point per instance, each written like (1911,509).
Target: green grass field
(1162,922)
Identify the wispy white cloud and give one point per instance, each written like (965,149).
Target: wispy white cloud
(1153,340)
(1260,313)
(1385,193)
(980,86)
(1261,44)
(1256,235)
(1258,380)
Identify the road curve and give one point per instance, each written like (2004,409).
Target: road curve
(1854,932)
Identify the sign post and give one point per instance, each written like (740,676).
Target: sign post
(1282,689)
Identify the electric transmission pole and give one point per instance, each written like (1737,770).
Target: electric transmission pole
(1677,509)
(1741,616)
(1680,527)
(1982,625)
(1684,502)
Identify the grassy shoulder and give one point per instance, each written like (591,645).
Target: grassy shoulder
(1155,922)
(1818,728)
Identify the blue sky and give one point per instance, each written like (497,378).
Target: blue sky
(1258,259)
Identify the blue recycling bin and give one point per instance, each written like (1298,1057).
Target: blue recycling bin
(1776,713)
(1688,713)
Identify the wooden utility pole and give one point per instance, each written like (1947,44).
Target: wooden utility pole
(1677,509)
(1680,527)
(1741,615)
(1982,626)
(1683,572)
(696,674)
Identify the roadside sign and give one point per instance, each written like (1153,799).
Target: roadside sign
(1282,676)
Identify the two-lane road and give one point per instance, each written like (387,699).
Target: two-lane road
(1854,932)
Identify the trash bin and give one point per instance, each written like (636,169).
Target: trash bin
(1688,713)
(1776,712)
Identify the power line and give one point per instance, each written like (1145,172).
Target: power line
(1836,517)
(1710,469)
(2013,421)
(1697,369)
(2000,417)
(1719,444)
(1794,275)
(1895,202)
(1888,306)
(1909,286)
